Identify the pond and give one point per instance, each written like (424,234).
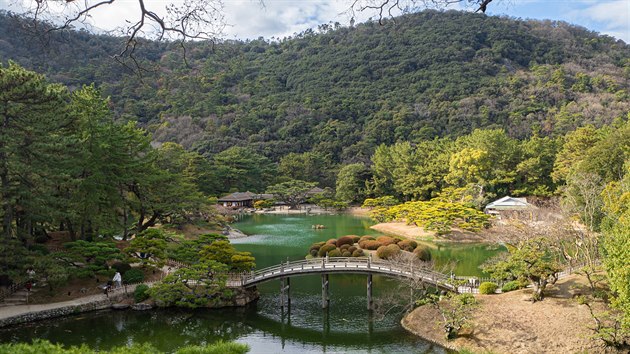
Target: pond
(346,326)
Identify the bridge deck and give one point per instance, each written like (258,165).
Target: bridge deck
(345,265)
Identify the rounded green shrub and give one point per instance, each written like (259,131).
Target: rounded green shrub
(326,249)
(133,275)
(357,253)
(355,238)
(317,246)
(366,238)
(487,288)
(385,240)
(332,241)
(511,286)
(408,245)
(334,253)
(370,244)
(140,293)
(423,253)
(352,249)
(345,240)
(121,267)
(313,252)
(387,252)
(344,247)
(346,254)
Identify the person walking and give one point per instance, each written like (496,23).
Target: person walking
(117,280)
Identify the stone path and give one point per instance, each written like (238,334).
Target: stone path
(16,311)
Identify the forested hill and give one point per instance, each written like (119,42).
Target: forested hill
(343,91)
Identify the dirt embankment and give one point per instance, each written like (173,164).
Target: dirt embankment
(507,323)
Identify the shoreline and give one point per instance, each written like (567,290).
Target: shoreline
(419,234)
(506,323)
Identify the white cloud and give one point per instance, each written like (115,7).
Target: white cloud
(611,17)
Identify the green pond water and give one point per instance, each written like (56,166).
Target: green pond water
(345,327)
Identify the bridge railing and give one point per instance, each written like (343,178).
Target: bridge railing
(341,264)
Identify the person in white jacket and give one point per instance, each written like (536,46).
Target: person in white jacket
(117,280)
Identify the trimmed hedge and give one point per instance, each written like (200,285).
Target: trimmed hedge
(121,267)
(357,253)
(423,253)
(385,240)
(408,245)
(326,249)
(346,254)
(313,252)
(344,247)
(352,248)
(370,244)
(334,253)
(511,286)
(140,293)
(487,288)
(355,238)
(387,252)
(345,240)
(366,238)
(332,241)
(133,275)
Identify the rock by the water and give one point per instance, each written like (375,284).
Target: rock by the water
(120,306)
(141,307)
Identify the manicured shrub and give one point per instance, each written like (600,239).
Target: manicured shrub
(133,275)
(334,253)
(423,253)
(366,238)
(370,244)
(385,240)
(355,238)
(487,288)
(313,252)
(346,254)
(344,247)
(317,246)
(121,267)
(140,293)
(332,241)
(511,286)
(345,240)
(352,248)
(326,249)
(357,253)
(387,252)
(408,245)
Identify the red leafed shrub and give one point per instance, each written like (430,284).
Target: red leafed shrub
(345,240)
(370,244)
(385,240)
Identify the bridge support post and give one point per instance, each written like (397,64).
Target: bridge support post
(285,287)
(370,303)
(325,297)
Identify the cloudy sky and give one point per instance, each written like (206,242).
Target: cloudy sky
(280,18)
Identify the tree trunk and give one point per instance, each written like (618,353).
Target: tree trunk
(145,225)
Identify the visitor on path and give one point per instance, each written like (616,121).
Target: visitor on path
(30,273)
(117,280)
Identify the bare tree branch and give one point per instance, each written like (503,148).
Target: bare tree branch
(179,22)
(387,8)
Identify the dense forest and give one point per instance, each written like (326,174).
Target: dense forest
(340,92)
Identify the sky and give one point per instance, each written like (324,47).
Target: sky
(250,19)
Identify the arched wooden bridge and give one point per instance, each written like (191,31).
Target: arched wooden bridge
(339,265)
